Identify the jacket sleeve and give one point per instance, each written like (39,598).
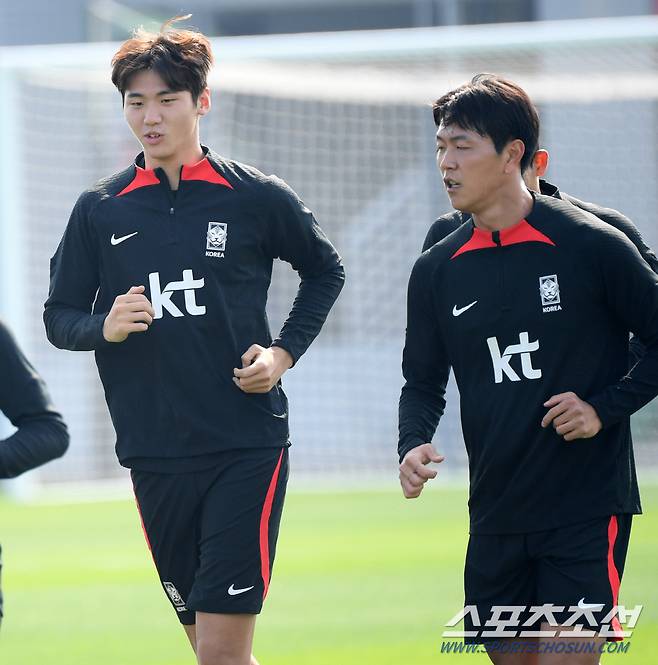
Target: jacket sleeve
(624,272)
(635,347)
(41,434)
(294,236)
(425,365)
(74,282)
(625,225)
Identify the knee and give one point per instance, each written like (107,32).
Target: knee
(213,652)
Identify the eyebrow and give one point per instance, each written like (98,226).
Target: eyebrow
(132,95)
(453,139)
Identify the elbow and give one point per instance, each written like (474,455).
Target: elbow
(338,275)
(57,436)
(48,325)
(61,439)
(49,317)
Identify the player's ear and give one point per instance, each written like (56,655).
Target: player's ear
(540,162)
(514,151)
(203,103)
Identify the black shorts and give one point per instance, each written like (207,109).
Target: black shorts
(213,533)
(577,566)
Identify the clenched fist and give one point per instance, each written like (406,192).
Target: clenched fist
(130,313)
(414,472)
(571,417)
(261,368)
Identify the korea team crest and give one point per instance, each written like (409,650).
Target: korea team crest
(216,239)
(176,598)
(549,290)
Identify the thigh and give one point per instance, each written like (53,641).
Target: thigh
(498,573)
(580,569)
(168,505)
(562,650)
(238,528)
(517,651)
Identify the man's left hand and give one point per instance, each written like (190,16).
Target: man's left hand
(572,417)
(261,368)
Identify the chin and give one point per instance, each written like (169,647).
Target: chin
(460,204)
(157,152)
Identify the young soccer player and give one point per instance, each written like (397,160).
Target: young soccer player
(163,271)
(531,304)
(41,434)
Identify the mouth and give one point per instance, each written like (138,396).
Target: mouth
(153,137)
(451,185)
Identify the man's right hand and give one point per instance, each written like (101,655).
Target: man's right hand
(414,472)
(131,312)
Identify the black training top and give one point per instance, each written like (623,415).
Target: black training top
(447,223)
(540,308)
(205,257)
(41,434)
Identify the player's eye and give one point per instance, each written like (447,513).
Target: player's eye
(439,148)
(462,147)
(135,104)
(172,99)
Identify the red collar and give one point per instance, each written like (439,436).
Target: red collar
(202,170)
(512,235)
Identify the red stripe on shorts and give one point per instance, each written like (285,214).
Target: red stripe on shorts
(613,575)
(264,528)
(141,521)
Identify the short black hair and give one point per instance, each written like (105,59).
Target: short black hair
(495,107)
(181,57)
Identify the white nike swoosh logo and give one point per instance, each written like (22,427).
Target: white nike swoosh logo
(589,606)
(458,312)
(232,591)
(115,241)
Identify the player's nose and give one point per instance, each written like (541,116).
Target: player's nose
(152,115)
(447,160)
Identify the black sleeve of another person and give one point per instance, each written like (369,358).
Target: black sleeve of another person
(41,434)
(441,228)
(625,225)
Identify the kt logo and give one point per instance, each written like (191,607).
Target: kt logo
(501,362)
(161,298)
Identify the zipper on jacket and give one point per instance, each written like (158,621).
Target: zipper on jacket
(170,229)
(502,283)
(173,195)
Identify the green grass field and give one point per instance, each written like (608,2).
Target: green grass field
(361,578)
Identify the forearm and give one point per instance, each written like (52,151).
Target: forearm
(420,410)
(37,441)
(72,329)
(631,393)
(314,300)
